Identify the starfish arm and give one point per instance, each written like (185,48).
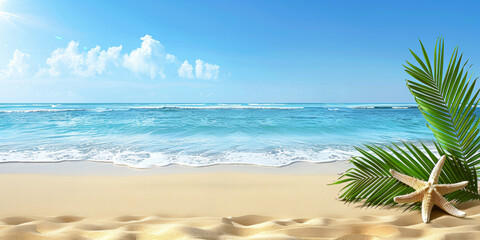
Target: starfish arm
(427,205)
(411,197)
(446,206)
(436,170)
(449,188)
(410,181)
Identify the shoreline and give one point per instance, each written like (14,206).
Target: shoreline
(109,168)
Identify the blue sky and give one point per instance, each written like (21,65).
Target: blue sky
(222,51)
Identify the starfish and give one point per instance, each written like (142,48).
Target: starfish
(430,193)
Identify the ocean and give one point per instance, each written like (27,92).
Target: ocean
(148,135)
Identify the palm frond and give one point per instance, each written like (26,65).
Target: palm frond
(370,181)
(447,99)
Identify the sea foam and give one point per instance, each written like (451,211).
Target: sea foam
(201,134)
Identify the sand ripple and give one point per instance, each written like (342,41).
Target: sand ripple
(404,226)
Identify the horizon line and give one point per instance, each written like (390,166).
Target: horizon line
(208,103)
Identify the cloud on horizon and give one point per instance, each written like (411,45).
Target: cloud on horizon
(69,61)
(149,60)
(18,66)
(186,70)
(205,70)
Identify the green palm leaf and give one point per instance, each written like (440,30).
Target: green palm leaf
(448,101)
(371,181)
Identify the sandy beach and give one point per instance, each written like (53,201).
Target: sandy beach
(228,120)
(87,200)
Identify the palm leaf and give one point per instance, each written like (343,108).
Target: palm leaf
(370,181)
(447,100)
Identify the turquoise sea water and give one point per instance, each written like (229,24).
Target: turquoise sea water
(146,135)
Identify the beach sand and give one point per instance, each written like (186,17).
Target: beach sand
(85,200)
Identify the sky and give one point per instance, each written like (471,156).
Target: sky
(223,51)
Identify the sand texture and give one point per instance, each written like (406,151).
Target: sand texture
(206,206)
(407,226)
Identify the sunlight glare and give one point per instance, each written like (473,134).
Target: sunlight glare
(6,15)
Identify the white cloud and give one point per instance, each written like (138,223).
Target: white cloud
(152,60)
(70,61)
(186,70)
(171,58)
(148,59)
(96,60)
(17,67)
(206,70)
